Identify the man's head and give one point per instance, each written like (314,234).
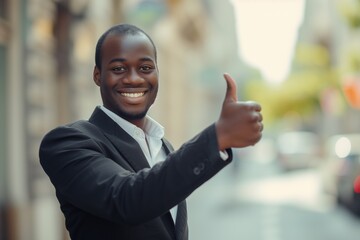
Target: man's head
(126,72)
(121,29)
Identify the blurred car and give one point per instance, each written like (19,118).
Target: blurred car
(343,170)
(298,149)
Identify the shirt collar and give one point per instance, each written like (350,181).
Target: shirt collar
(151,127)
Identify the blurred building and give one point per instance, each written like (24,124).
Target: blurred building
(324,28)
(46,63)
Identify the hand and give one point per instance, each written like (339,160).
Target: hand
(240,123)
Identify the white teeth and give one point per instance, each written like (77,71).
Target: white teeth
(133,95)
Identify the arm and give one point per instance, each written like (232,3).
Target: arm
(94,183)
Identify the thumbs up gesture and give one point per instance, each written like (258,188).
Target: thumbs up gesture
(240,123)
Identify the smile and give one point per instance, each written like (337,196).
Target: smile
(133,95)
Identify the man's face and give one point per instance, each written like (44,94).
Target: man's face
(128,77)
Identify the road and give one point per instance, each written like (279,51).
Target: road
(255,200)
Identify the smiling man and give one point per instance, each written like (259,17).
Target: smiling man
(115,175)
(127,73)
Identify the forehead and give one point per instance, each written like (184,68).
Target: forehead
(127,44)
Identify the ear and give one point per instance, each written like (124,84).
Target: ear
(96,76)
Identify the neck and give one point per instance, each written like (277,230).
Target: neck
(140,123)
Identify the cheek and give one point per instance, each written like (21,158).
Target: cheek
(106,88)
(155,81)
(156,88)
(108,81)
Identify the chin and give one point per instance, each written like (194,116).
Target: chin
(132,116)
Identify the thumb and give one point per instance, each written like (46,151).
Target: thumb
(231,94)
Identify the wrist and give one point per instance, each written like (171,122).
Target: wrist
(220,137)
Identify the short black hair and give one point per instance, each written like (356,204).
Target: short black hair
(121,29)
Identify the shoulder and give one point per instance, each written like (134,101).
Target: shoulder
(63,130)
(80,127)
(70,135)
(71,140)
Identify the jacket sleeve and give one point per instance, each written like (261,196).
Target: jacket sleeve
(84,177)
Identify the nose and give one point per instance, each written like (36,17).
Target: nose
(133,78)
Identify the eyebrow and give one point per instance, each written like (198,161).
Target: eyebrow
(143,59)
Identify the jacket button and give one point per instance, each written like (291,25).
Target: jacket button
(197,170)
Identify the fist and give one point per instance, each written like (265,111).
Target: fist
(240,123)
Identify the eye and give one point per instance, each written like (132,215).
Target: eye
(118,69)
(147,68)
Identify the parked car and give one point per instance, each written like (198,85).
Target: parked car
(343,170)
(298,149)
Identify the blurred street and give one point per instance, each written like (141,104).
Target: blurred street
(258,201)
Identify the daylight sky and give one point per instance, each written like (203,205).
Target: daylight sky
(267,33)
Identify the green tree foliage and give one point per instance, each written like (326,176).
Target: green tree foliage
(301,92)
(350,9)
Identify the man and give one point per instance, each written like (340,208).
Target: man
(115,176)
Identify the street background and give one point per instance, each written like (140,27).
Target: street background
(300,59)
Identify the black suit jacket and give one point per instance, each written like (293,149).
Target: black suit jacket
(106,187)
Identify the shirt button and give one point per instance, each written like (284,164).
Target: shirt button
(138,133)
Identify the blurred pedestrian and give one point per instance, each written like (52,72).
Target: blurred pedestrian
(115,175)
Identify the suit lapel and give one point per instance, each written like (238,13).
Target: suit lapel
(121,140)
(167,146)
